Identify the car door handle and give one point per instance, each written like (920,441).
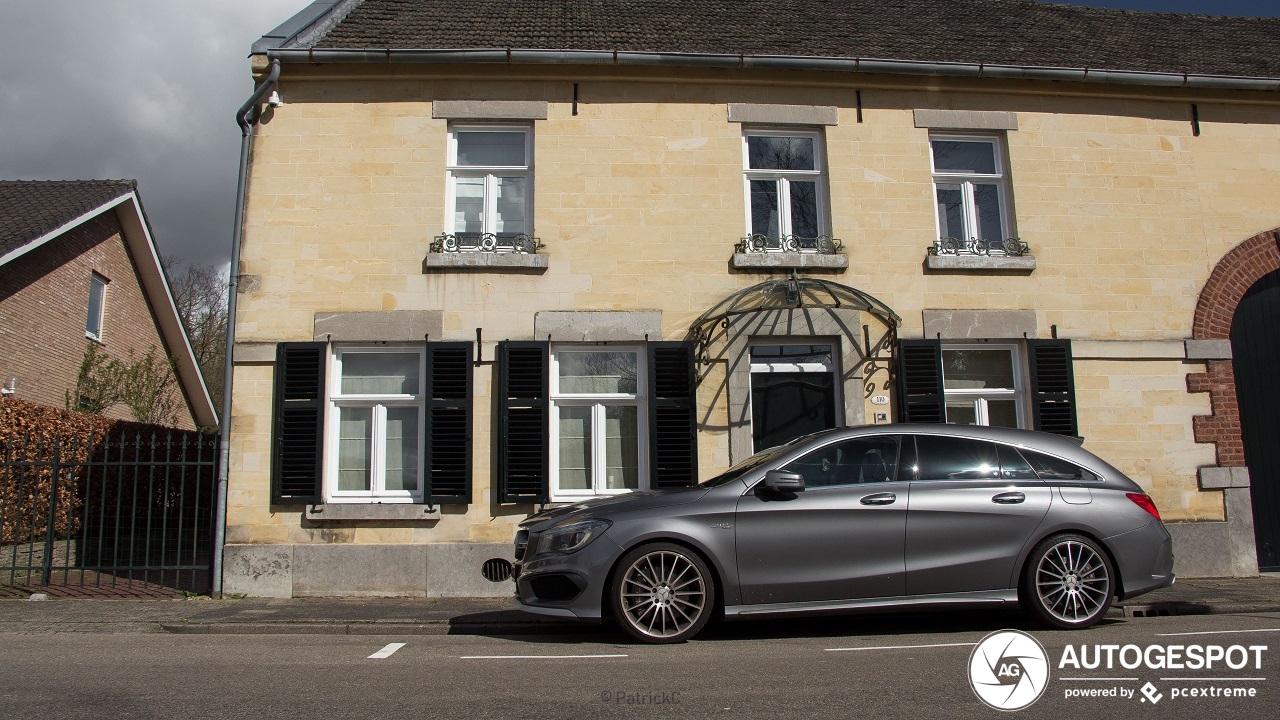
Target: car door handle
(879,499)
(1009,498)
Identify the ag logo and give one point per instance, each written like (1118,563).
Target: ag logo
(1009,670)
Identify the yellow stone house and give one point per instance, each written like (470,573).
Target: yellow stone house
(503,255)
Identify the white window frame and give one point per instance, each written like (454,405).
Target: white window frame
(784,179)
(490,173)
(980,396)
(967,180)
(100,288)
(598,402)
(379,403)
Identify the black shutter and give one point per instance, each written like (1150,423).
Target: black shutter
(919,382)
(673,429)
(446,457)
(1053,386)
(298,414)
(523,409)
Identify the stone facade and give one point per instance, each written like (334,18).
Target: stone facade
(638,197)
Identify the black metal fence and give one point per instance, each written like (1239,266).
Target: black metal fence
(108,511)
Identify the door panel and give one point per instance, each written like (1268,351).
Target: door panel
(1255,347)
(967,523)
(786,405)
(822,544)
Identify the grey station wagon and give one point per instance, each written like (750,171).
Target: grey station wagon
(856,518)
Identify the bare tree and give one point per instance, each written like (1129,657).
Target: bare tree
(200,292)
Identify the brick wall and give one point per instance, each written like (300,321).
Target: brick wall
(44,301)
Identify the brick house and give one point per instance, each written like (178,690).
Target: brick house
(503,255)
(78,265)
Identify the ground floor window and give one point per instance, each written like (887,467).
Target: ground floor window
(598,420)
(374,425)
(984,385)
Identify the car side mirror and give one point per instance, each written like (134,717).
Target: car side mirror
(783,481)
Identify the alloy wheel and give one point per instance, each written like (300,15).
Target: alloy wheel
(663,595)
(1073,581)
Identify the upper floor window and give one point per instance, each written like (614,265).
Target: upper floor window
(97,306)
(983,385)
(785,188)
(490,188)
(374,420)
(971,185)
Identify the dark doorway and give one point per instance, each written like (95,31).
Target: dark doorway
(1255,347)
(793,392)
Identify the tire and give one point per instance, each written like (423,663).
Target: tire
(662,593)
(1068,582)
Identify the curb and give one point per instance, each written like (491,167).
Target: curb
(1166,609)
(377,628)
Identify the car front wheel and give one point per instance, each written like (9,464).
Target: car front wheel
(662,593)
(1068,582)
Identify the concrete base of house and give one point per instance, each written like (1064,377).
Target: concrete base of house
(1218,549)
(346,570)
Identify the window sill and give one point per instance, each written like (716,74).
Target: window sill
(373,511)
(485,262)
(1017,263)
(789,260)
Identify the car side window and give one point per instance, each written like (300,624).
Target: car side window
(1013,465)
(951,458)
(1052,468)
(850,462)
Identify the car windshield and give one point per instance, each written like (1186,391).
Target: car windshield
(750,464)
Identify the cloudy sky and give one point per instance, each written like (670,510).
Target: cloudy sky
(147,89)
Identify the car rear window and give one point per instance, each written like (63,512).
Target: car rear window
(1052,468)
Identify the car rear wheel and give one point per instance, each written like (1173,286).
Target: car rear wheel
(1068,582)
(662,593)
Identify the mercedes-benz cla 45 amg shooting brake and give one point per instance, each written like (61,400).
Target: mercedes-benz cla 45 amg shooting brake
(856,518)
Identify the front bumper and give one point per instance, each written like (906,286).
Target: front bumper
(567,586)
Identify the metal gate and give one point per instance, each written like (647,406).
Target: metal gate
(1255,349)
(116,511)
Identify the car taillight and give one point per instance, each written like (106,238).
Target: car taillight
(1144,502)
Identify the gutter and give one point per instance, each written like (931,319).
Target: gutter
(247,117)
(773,62)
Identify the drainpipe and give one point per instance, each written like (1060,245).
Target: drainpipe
(247,116)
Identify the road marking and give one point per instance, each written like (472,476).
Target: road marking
(1081,679)
(899,647)
(534,657)
(386,652)
(1217,632)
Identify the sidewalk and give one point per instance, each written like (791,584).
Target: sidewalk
(460,616)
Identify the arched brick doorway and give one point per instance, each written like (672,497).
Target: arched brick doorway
(1234,275)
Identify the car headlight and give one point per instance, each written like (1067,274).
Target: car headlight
(570,538)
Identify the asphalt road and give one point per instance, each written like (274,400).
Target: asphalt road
(872,666)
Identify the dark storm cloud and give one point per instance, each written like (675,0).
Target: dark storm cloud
(143,89)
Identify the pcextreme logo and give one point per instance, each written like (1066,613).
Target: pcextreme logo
(1009,670)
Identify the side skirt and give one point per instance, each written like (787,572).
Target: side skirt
(980,597)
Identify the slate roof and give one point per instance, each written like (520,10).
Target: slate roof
(31,208)
(1002,32)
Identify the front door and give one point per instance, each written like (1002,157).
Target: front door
(840,539)
(1255,349)
(793,392)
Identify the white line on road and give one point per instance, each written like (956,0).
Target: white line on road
(1082,679)
(899,647)
(1217,632)
(386,652)
(534,657)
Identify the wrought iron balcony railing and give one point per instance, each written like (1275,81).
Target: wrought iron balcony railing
(486,242)
(1012,247)
(823,244)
